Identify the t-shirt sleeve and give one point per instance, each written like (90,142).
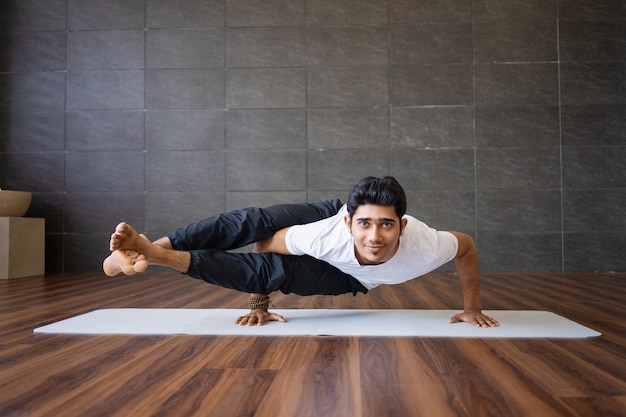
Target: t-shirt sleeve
(319,239)
(447,248)
(294,245)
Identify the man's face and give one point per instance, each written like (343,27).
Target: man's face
(376,231)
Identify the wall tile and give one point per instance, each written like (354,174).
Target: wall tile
(592,41)
(111,208)
(112,14)
(494,10)
(348,87)
(432,127)
(594,124)
(435,11)
(185,13)
(185,89)
(593,83)
(517,168)
(516,84)
(105,49)
(54,252)
(34,91)
(185,129)
(346,12)
(592,10)
(443,210)
(265,12)
(347,45)
(323,195)
(261,170)
(105,130)
(594,167)
(236,200)
(517,125)
(431,85)
(23,132)
(433,169)
(168,211)
(266,129)
(50,206)
(100,90)
(338,169)
(77,259)
(519,211)
(194,171)
(348,128)
(431,44)
(32,171)
(30,16)
(520,252)
(266,47)
(185,48)
(40,51)
(104,171)
(515,41)
(269,88)
(594,210)
(595,251)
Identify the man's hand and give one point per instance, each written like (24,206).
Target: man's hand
(474,318)
(259,317)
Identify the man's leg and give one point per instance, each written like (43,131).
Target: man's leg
(264,273)
(133,253)
(261,273)
(238,228)
(225,231)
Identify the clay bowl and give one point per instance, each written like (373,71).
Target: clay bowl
(14,203)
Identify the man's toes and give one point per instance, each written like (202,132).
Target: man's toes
(140,265)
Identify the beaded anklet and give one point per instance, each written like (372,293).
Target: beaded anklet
(255,303)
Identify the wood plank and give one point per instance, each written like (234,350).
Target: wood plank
(557,371)
(217,392)
(596,406)
(392,400)
(487,384)
(321,379)
(143,381)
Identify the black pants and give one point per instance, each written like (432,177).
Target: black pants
(208,241)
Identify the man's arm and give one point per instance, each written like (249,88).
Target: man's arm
(259,314)
(275,243)
(467,267)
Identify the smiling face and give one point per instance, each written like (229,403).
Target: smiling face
(376,231)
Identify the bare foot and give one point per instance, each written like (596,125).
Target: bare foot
(129,250)
(127,261)
(125,237)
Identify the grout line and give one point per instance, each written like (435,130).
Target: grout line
(558,75)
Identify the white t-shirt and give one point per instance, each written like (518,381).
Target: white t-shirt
(421,250)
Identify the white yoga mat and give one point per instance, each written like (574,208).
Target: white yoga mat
(411,323)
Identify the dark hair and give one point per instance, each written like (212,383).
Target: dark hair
(383,191)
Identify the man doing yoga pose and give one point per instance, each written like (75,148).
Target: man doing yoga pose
(354,247)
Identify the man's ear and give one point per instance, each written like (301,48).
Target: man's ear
(403,224)
(348,220)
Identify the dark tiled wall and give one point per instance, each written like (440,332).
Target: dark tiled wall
(502,119)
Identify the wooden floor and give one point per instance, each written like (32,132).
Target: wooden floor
(230,376)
